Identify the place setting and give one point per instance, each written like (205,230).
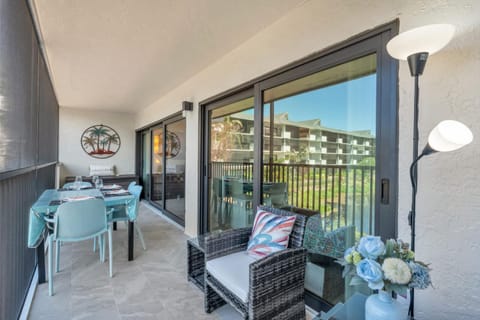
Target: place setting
(72,199)
(115,192)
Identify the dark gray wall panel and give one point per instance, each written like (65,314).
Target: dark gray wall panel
(17,113)
(47,117)
(17,266)
(28,148)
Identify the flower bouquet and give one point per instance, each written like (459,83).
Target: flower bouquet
(389,266)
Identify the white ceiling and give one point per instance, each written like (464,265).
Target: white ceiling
(124,54)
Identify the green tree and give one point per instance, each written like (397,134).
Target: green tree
(368,161)
(225,137)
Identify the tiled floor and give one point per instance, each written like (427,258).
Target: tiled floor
(153,286)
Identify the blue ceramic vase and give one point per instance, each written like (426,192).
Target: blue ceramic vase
(382,306)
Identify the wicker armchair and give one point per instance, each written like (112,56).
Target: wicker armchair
(275,283)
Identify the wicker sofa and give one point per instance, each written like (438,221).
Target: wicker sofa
(268,288)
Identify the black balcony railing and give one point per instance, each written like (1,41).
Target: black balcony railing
(342,194)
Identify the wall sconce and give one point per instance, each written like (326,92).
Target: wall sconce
(186,106)
(415,46)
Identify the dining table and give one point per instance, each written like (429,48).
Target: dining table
(48,202)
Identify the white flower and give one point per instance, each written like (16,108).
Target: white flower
(396,270)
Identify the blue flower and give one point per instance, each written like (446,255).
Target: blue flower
(371,271)
(420,276)
(371,247)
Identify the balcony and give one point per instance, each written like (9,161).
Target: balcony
(68,66)
(342,194)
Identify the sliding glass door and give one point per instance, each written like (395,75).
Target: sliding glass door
(145,163)
(319,139)
(162,166)
(156,183)
(230,163)
(175,168)
(319,144)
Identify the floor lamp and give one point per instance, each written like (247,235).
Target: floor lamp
(415,46)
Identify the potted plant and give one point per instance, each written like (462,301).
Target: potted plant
(389,267)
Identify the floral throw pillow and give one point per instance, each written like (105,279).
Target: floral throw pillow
(270,233)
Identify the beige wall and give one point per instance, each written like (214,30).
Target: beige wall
(448,206)
(72,124)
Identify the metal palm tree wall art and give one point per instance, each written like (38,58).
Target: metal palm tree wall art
(100,141)
(172,145)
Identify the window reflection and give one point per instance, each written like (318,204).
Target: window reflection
(319,160)
(231,165)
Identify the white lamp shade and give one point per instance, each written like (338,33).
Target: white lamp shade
(430,38)
(449,135)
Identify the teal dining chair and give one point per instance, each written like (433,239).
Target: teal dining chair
(119,213)
(81,185)
(77,221)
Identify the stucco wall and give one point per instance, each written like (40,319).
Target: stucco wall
(448,205)
(72,124)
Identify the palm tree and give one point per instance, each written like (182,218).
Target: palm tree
(226,137)
(89,141)
(112,139)
(98,131)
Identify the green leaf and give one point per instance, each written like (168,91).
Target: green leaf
(346,270)
(356,280)
(389,248)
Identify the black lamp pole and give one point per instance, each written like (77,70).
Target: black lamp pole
(416,63)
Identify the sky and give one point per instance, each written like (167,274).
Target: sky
(349,105)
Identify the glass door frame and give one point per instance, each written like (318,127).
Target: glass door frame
(387,118)
(141,153)
(203,219)
(139,160)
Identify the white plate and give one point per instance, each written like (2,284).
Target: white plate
(79,188)
(120,191)
(111,187)
(78,198)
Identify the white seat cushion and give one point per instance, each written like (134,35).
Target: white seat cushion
(233,272)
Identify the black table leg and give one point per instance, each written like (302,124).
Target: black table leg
(41,262)
(131,235)
(115,226)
